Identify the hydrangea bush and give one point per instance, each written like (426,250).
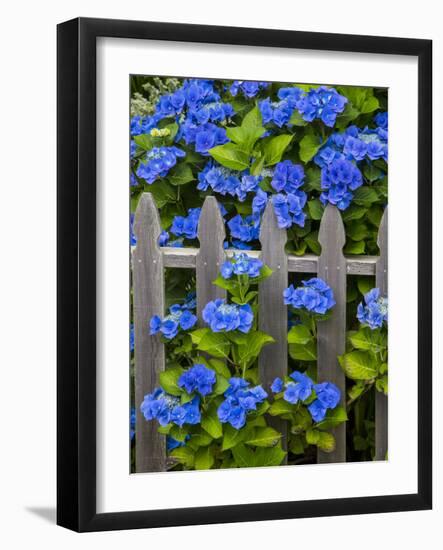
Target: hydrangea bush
(301,146)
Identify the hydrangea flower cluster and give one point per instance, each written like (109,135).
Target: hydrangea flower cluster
(245,229)
(321,103)
(159,161)
(240,399)
(186,226)
(180,317)
(227,182)
(198,379)
(241,264)
(288,208)
(163,240)
(300,389)
(223,317)
(248,88)
(203,136)
(287,177)
(356,144)
(132,418)
(315,295)
(338,180)
(166,408)
(374,312)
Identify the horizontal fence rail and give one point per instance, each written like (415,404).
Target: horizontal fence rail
(149,261)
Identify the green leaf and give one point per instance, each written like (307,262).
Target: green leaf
(181,174)
(315,209)
(184,455)
(197,335)
(356,390)
(231,156)
(204,459)
(202,439)
(357,230)
(359,365)
(178,433)
(354,247)
(169,380)
(365,284)
(333,418)
(233,437)
(269,456)
(264,437)
(215,343)
(381,385)
(221,385)
(163,192)
(326,442)
(296,445)
(252,346)
(296,119)
(370,105)
(253,118)
(371,172)
(299,334)
(369,340)
(279,407)
(144,141)
(312,241)
(365,195)
(257,166)
(303,352)
(211,423)
(309,146)
(274,148)
(220,367)
(312,436)
(354,212)
(243,456)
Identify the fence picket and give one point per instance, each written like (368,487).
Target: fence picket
(149,300)
(211,235)
(273,318)
(381,400)
(331,334)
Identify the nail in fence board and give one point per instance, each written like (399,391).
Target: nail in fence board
(273,314)
(149,300)
(331,334)
(211,235)
(381,400)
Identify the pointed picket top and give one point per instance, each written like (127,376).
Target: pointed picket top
(381,282)
(149,300)
(273,313)
(147,225)
(331,228)
(211,235)
(331,333)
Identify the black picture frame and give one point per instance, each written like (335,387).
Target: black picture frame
(76,264)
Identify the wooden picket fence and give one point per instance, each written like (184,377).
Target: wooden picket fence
(149,261)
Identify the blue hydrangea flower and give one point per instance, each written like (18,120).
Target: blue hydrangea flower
(223,317)
(245,229)
(321,103)
(328,397)
(158,162)
(247,87)
(241,264)
(289,209)
(227,182)
(177,319)
(166,408)
(198,379)
(240,399)
(131,337)
(259,203)
(338,179)
(132,419)
(381,119)
(287,177)
(374,312)
(315,295)
(132,237)
(278,385)
(186,226)
(297,390)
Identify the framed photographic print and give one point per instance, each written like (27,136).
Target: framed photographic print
(231,289)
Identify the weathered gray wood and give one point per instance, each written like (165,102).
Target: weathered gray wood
(273,313)
(331,334)
(381,400)
(148,273)
(211,235)
(185,258)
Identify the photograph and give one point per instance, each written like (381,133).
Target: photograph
(258,258)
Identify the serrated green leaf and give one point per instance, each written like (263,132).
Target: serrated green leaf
(144,141)
(181,174)
(221,385)
(299,334)
(233,437)
(333,418)
(316,209)
(312,436)
(359,365)
(369,340)
(354,212)
(365,195)
(169,380)
(279,407)
(355,247)
(275,147)
(204,459)
(264,437)
(269,456)
(211,423)
(230,155)
(215,343)
(244,457)
(220,367)
(296,445)
(303,352)
(326,442)
(309,145)
(183,455)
